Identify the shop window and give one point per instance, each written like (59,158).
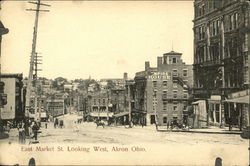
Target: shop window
(164,119)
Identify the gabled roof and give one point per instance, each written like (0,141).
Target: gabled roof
(173,53)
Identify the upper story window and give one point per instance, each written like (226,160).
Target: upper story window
(155,84)
(201,32)
(185,72)
(174,60)
(233,21)
(164,105)
(175,72)
(164,94)
(165,84)
(175,94)
(199,10)
(214,27)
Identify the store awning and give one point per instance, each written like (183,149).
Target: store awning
(121,114)
(242,99)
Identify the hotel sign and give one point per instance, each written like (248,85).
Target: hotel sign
(159,76)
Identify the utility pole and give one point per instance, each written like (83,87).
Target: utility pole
(33,58)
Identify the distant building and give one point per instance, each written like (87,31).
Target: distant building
(221,58)
(56,104)
(13,89)
(100,106)
(163,92)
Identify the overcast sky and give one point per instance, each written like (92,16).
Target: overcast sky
(97,39)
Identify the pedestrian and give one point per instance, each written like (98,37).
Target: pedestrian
(167,125)
(46,124)
(56,123)
(61,123)
(35,130)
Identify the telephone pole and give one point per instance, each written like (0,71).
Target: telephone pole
(34,58)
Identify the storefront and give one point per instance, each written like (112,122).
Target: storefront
(237,113)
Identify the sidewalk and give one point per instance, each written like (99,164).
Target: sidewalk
(209,130)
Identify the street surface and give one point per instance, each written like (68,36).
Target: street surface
(209,146)
(88,133)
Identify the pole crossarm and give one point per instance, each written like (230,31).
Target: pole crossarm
(36,3)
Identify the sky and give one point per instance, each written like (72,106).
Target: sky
(78,39)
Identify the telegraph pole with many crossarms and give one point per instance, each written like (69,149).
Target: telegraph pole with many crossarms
(34,57)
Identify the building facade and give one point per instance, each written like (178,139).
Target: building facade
(13,89)
(221,55)
(100,107)
(162,93)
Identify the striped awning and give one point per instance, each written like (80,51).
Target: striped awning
(243,99)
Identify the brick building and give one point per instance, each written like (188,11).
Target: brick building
(221,56)
(163,92)
(100,106)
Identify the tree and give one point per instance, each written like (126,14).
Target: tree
(110,84)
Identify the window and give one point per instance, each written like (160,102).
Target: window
(231,22)
(201,32)
(185,95)
(99,101)
(164,105)
(165,83)
(103,101)
(235,20)
(155,84)
(185,107)
(164,94)
(175,74)
(154,94)
(174,60)
(175,84)
(175,94)
(175,107)
(185,72)
(164,119)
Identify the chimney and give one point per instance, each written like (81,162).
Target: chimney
(125,76)
(159,61)
(147,65)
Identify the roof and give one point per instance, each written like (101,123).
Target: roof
(14,75)
(173,53)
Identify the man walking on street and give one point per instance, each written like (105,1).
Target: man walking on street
(35,130)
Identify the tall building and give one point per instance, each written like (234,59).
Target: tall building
(162,93)
(221,57)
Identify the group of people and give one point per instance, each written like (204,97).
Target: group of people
(58,123)
(29,129)
(174,124)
